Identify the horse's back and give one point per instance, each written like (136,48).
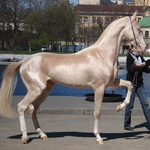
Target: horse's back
(59,68)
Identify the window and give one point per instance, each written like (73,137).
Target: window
(80,20)
(147,46)
(139,19)
(94,20)
(147,34)
(99,20)
(85,19)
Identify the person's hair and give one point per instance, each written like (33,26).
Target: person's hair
(129,50)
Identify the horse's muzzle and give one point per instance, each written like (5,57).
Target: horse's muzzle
(141,48)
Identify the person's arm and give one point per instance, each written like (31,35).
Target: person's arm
(147,62)
(141,65)
(144,66)
(131,66)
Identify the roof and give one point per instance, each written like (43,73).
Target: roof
(97,9)
(145,22)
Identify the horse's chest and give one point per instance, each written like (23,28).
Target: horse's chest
(107,74)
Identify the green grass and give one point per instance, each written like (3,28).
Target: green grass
(27,52)
(16,52)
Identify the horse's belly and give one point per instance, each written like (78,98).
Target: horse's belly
(71,80)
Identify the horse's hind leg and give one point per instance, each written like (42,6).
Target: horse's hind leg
(35,105)
(22,106)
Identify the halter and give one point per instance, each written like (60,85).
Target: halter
(133,33)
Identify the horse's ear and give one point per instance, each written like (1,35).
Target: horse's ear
(134,15)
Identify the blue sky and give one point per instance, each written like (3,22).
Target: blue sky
(75,1)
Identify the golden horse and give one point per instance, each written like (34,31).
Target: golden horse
(94,67)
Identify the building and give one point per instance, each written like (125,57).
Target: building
(124,2)
(89,2)
(142,2)
(145,26)
(95,18)
(132,2)
(95,2)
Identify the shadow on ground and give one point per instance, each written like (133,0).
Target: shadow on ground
(106,136)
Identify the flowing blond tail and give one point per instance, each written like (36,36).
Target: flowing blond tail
(7,88)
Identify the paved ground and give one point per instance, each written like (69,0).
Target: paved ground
(77,106)
(68,122)
(75,132)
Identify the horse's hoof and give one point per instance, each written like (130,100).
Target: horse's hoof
(44,138)
(100,142)
(24,140)
(118,108)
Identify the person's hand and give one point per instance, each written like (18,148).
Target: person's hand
(140,65)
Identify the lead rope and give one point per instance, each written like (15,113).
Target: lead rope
(133,33)
(136,73)
(135,76)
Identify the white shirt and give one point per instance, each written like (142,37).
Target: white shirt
(136,60)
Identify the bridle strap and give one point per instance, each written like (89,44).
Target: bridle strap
(133,33)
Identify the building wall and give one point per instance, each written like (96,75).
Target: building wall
(89,2)
(87,36)
(140,2)
(90,27)
(121,2)
(146,35)
(117,1)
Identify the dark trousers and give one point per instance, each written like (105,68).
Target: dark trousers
(141,93)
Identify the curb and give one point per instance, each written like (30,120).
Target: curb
(83,111)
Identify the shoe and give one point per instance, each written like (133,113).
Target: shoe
(129,128)
(148,128)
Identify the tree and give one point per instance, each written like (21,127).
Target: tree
(41,19)
(35,25)
(144,3)
(60,23)
(13,13)
(55,20)
(37,43)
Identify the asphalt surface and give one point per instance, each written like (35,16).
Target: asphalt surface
(68,122)
(75,132)
(67,105)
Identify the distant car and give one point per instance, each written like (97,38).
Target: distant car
(43,48)
(148,50)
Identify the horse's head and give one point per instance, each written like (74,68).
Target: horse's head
(133,33)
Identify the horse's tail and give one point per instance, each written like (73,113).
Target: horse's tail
(7,88)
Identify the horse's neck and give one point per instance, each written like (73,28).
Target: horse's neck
(110,40)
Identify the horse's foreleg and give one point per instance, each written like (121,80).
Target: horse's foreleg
(35,105)
(128,84)
(99,92)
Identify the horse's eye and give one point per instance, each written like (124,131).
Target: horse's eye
(139,30)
